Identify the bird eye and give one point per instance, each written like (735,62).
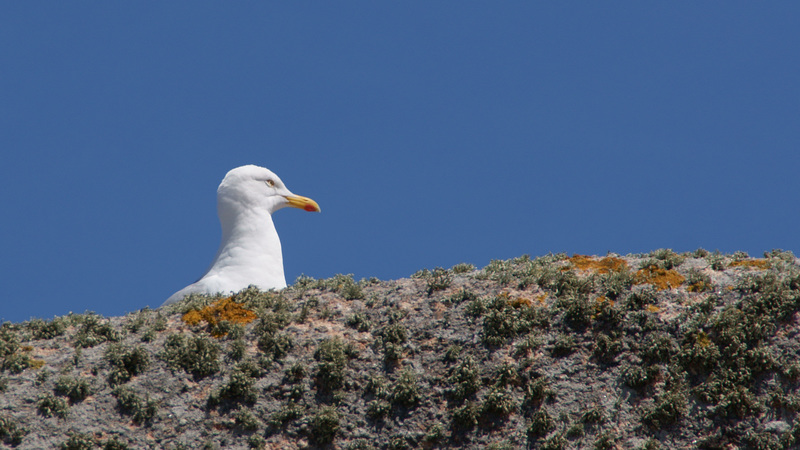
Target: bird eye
(270,183)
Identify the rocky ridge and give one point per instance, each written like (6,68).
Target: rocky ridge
(659,350)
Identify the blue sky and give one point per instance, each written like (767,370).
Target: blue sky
(430,133)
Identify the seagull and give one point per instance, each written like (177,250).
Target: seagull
(250,251)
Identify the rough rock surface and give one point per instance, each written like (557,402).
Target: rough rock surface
(660,350)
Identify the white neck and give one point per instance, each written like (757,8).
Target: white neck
(250,251)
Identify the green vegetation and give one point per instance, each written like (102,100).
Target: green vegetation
(438,280)
(196,355)
(126,363)
(331,356)
(324,425)
(552,352)
(141,410)
(75,389)
(463,380)
(79,441)
(11,433)
(246,421)
(49,406)
(93,330)
(391,338)
(239,387)
(406,391)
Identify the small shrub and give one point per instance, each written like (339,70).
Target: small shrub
(49,406)
(47,329)
(739,403)
(142,411)
(330,369)
(10,433)
(344,285)
(16,362)
(577,311)
(245,420)
(499,403)
(537,391)
(325,425)
(665,258)
(196,355)
(453,353)
(461,296)
(75,389)
(115,444)
(79,441)
(640,299)
(606,441)
(462,268)
(237,349)
(593,416)
(638,377)
(541,424)
(463,380)
(239,389)
(435,434)
(406,391)
(555,442)
(391,338)
(658,348)
(275,345)
(606,348)
(564,345)
(506,374)
(359,322)
(94,331)
(289,412)
(256,441)
(465,417)
(667,411)
(126,363)
(437,280)
(698,281)
(378,409)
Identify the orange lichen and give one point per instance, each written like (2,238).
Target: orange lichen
(602,306)
(653,309)
(604,301)
(700,286)
(519,302)
(603,265)
(224,309)
(660,278)
(702,340)
(758,264)
(36,363)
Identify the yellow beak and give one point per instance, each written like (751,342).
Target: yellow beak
(305,203)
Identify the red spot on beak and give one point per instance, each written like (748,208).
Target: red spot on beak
(310,208)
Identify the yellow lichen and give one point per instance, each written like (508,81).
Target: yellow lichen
(660,278)
(519,302)
(703,340)
(603,265)
(603,301)
(653,309)
(700,286)
(224,309)
(758,264)
(36,363)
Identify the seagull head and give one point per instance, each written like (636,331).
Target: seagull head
(250,186)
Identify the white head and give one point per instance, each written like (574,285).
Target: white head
(250,187)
